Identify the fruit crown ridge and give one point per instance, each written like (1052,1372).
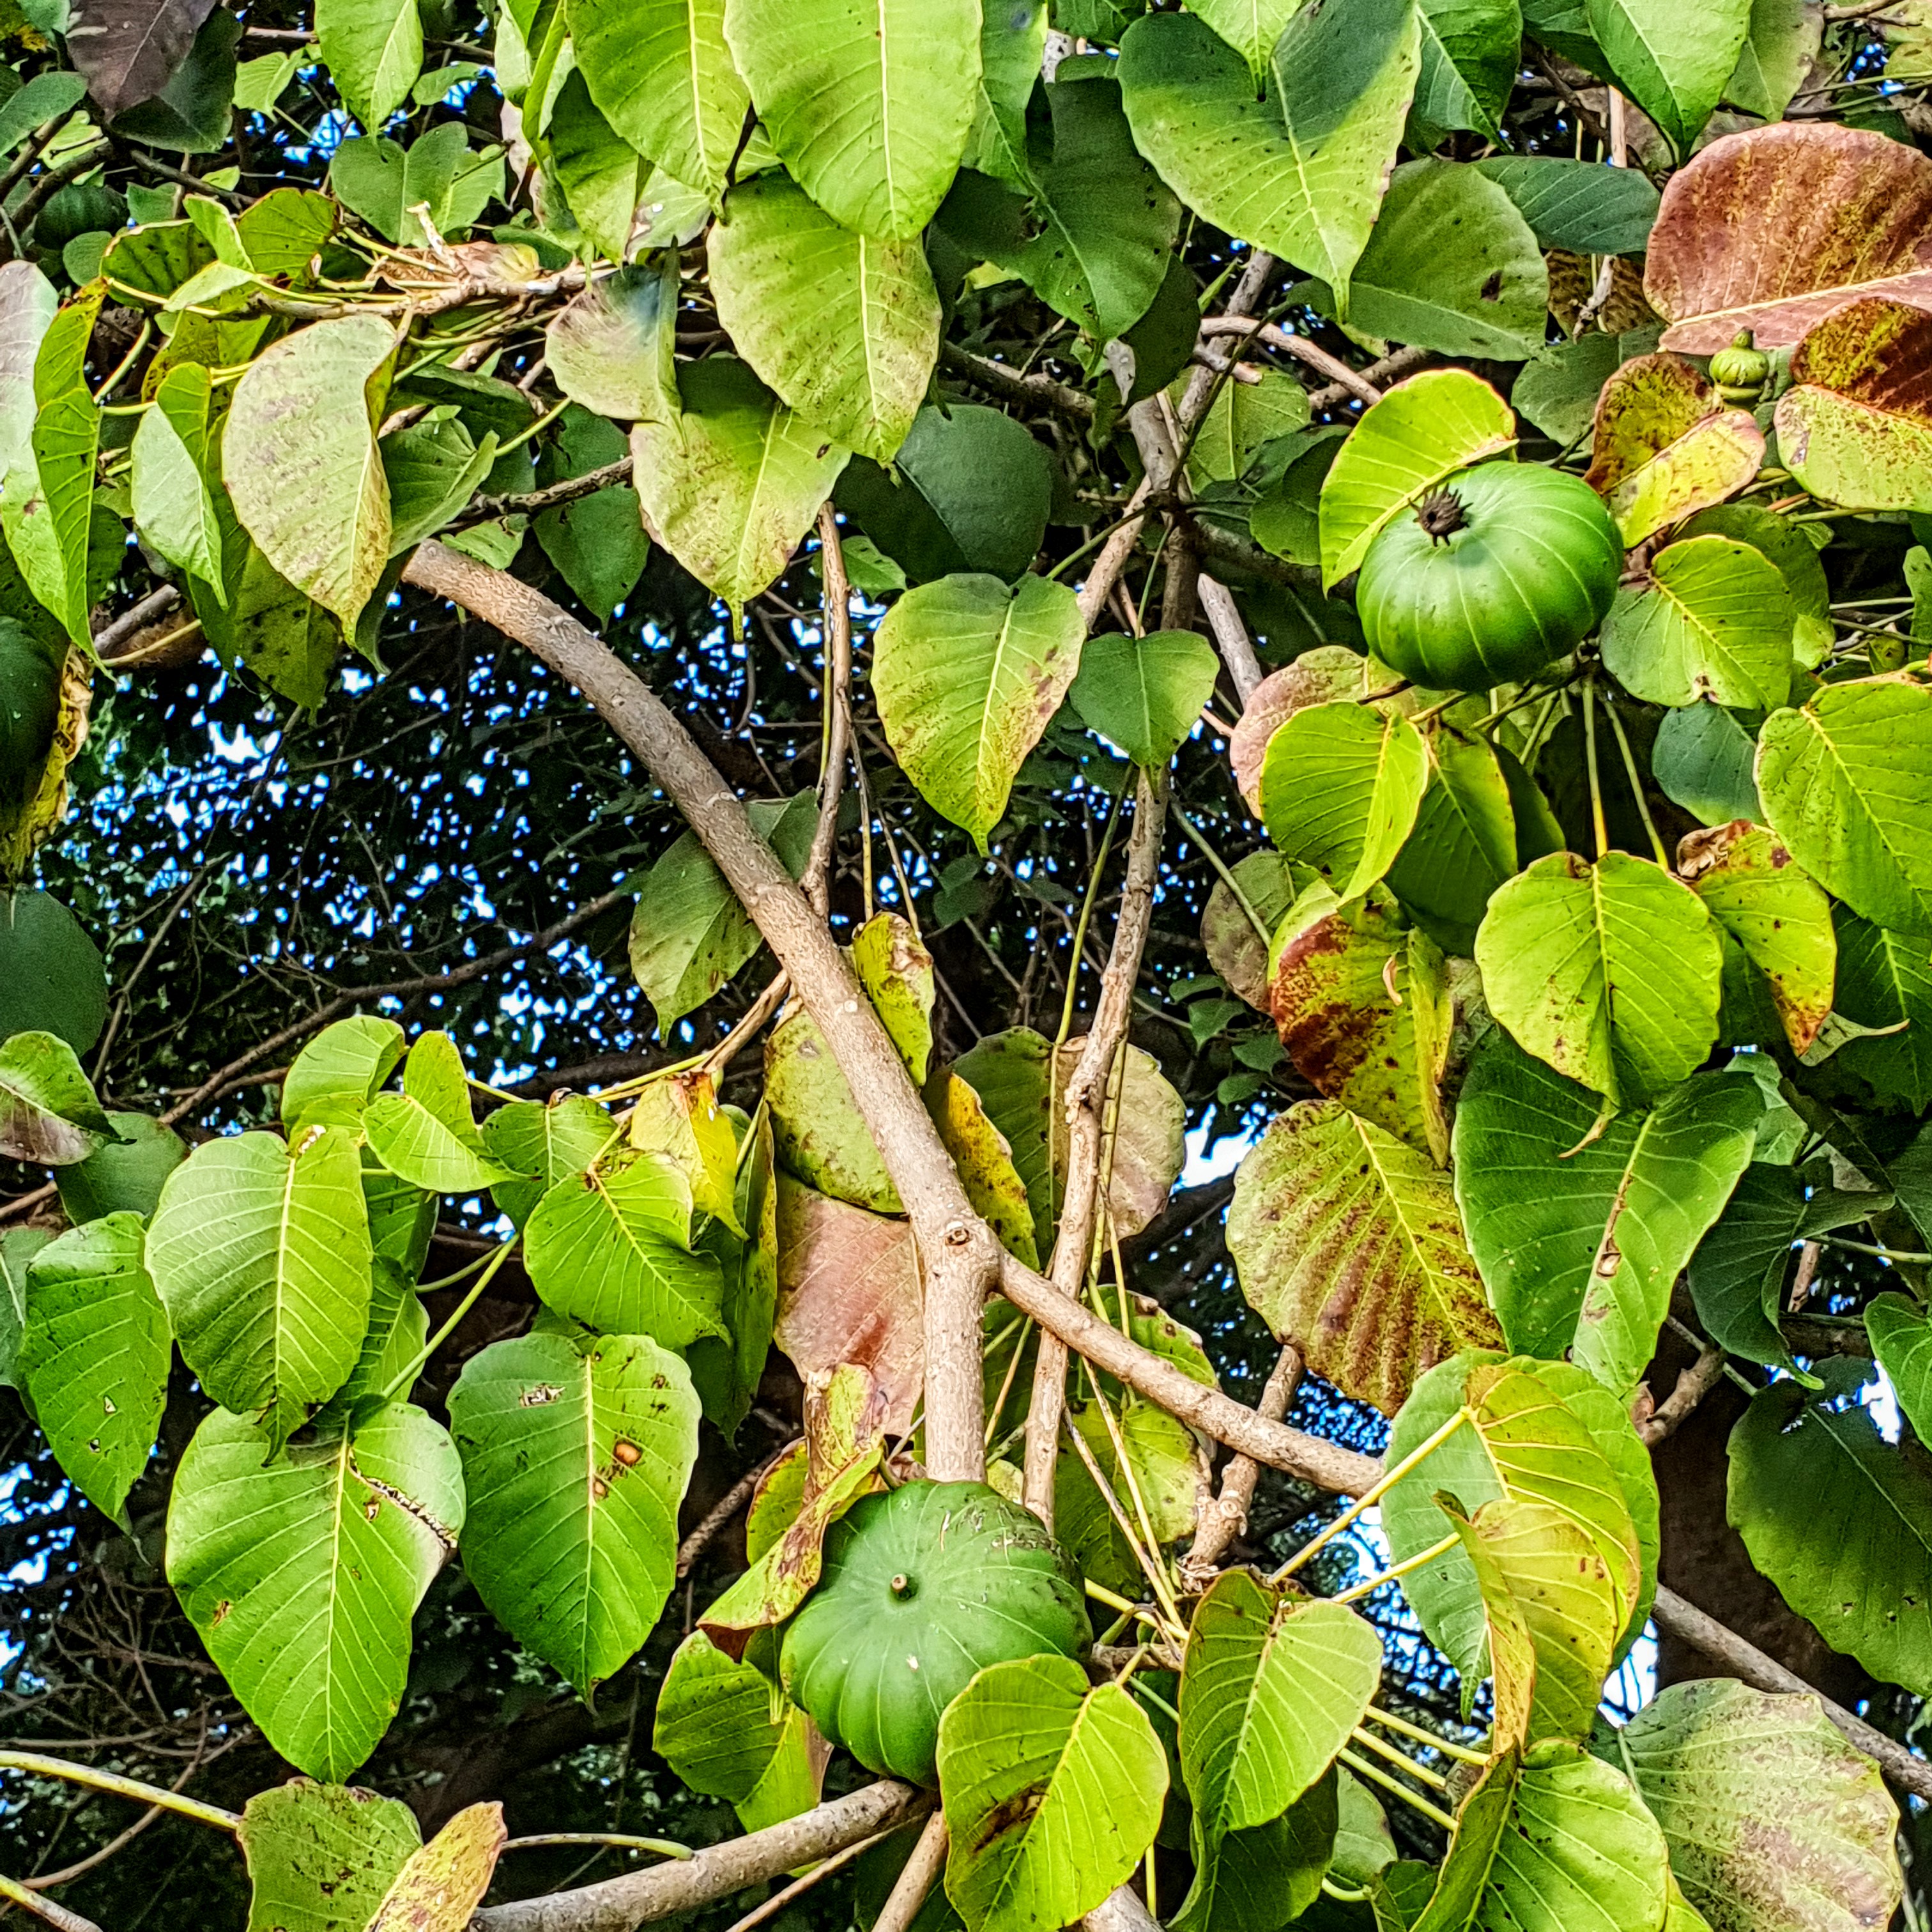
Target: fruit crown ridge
(1441,515)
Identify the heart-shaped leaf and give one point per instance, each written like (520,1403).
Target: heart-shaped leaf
(1145,694)
(1715,621)
(335,1077)
(574,1463)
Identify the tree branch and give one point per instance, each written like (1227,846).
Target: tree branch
(1226,1515)
(662,1891)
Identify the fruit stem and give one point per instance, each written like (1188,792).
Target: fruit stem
(1590,759)
(1636,788)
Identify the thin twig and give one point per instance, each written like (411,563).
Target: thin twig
(721,1512)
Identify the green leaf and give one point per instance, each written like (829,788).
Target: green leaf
(1796,557)
(374,177)
(660,73)
(48,1111)
(1486,294)
(125,1176)
(821,1136)
(734,484)
(340,1072)
(1243,419)
(1581,1853)
(1586,207)
(1843,785)
(1250,27)
(94,1355)
(1779,49)
(690,935)
(18,1247)
(1091,230)
(1609,973)
(1270,1688)
(1470,52)
(574,1465)
(727,1378)
(610,1247)
(546,1141)
(1673,62)
(1738,1274)
(1363,1008)
(432,468)
(1269,1874)
(52,978)
(869,113)
(1840,1519)
(967,674)
(1702,759)
(1780,920)
(47,96)
(192,113)
(1525,1440)
(896,971)
(1715,621)
(973,493)
(1885,982)
(28,306)
(601,175)
(173,508)
(443,1884)
(1463,844)
(1347,1242)
(1481,1821)
(1145,694)
(321,1856)
(300,459)
(1341,785)
(714,1727)
(1579,1240)
(1421,432)
(286,639)
(301,1574)
(374,51)
(1012,45)
(598,542)
(1901,1340)
(1301,173)
(1773,1821)
(610,350)
(47,508)
(427,1134)
(1052,1792)
(260,1252)
(398,1329)
(844,327)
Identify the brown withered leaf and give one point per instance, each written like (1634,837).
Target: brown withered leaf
(128,49)
(1235,949)
(845,1440)
(1347,1242)
(1363,1008)
(849,1292)
(443,1884)
(1149,1124)
(1665,445)
(1855,426)
(1773,229)
(1327,672)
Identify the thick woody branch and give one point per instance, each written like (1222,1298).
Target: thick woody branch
(1086,1110)
(958,1250)
(666,1891)
(917,1877)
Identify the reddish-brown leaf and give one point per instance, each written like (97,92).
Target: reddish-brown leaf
(128,49)
(848,1292)
(1773,229)
(1855,426)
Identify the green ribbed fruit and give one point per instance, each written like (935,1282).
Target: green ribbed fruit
(921,1588)
(1507,566)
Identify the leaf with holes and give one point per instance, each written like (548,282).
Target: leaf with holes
(1348,1243)
(260,1252)
(301,1574)
(1421,432)
(94,1356)
(1579,1239)
(1843,782)
(1665,445)
(575,1462)
(967,674)
(1052,1790)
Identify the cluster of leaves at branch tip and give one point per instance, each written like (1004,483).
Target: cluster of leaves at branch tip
(1588,922)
